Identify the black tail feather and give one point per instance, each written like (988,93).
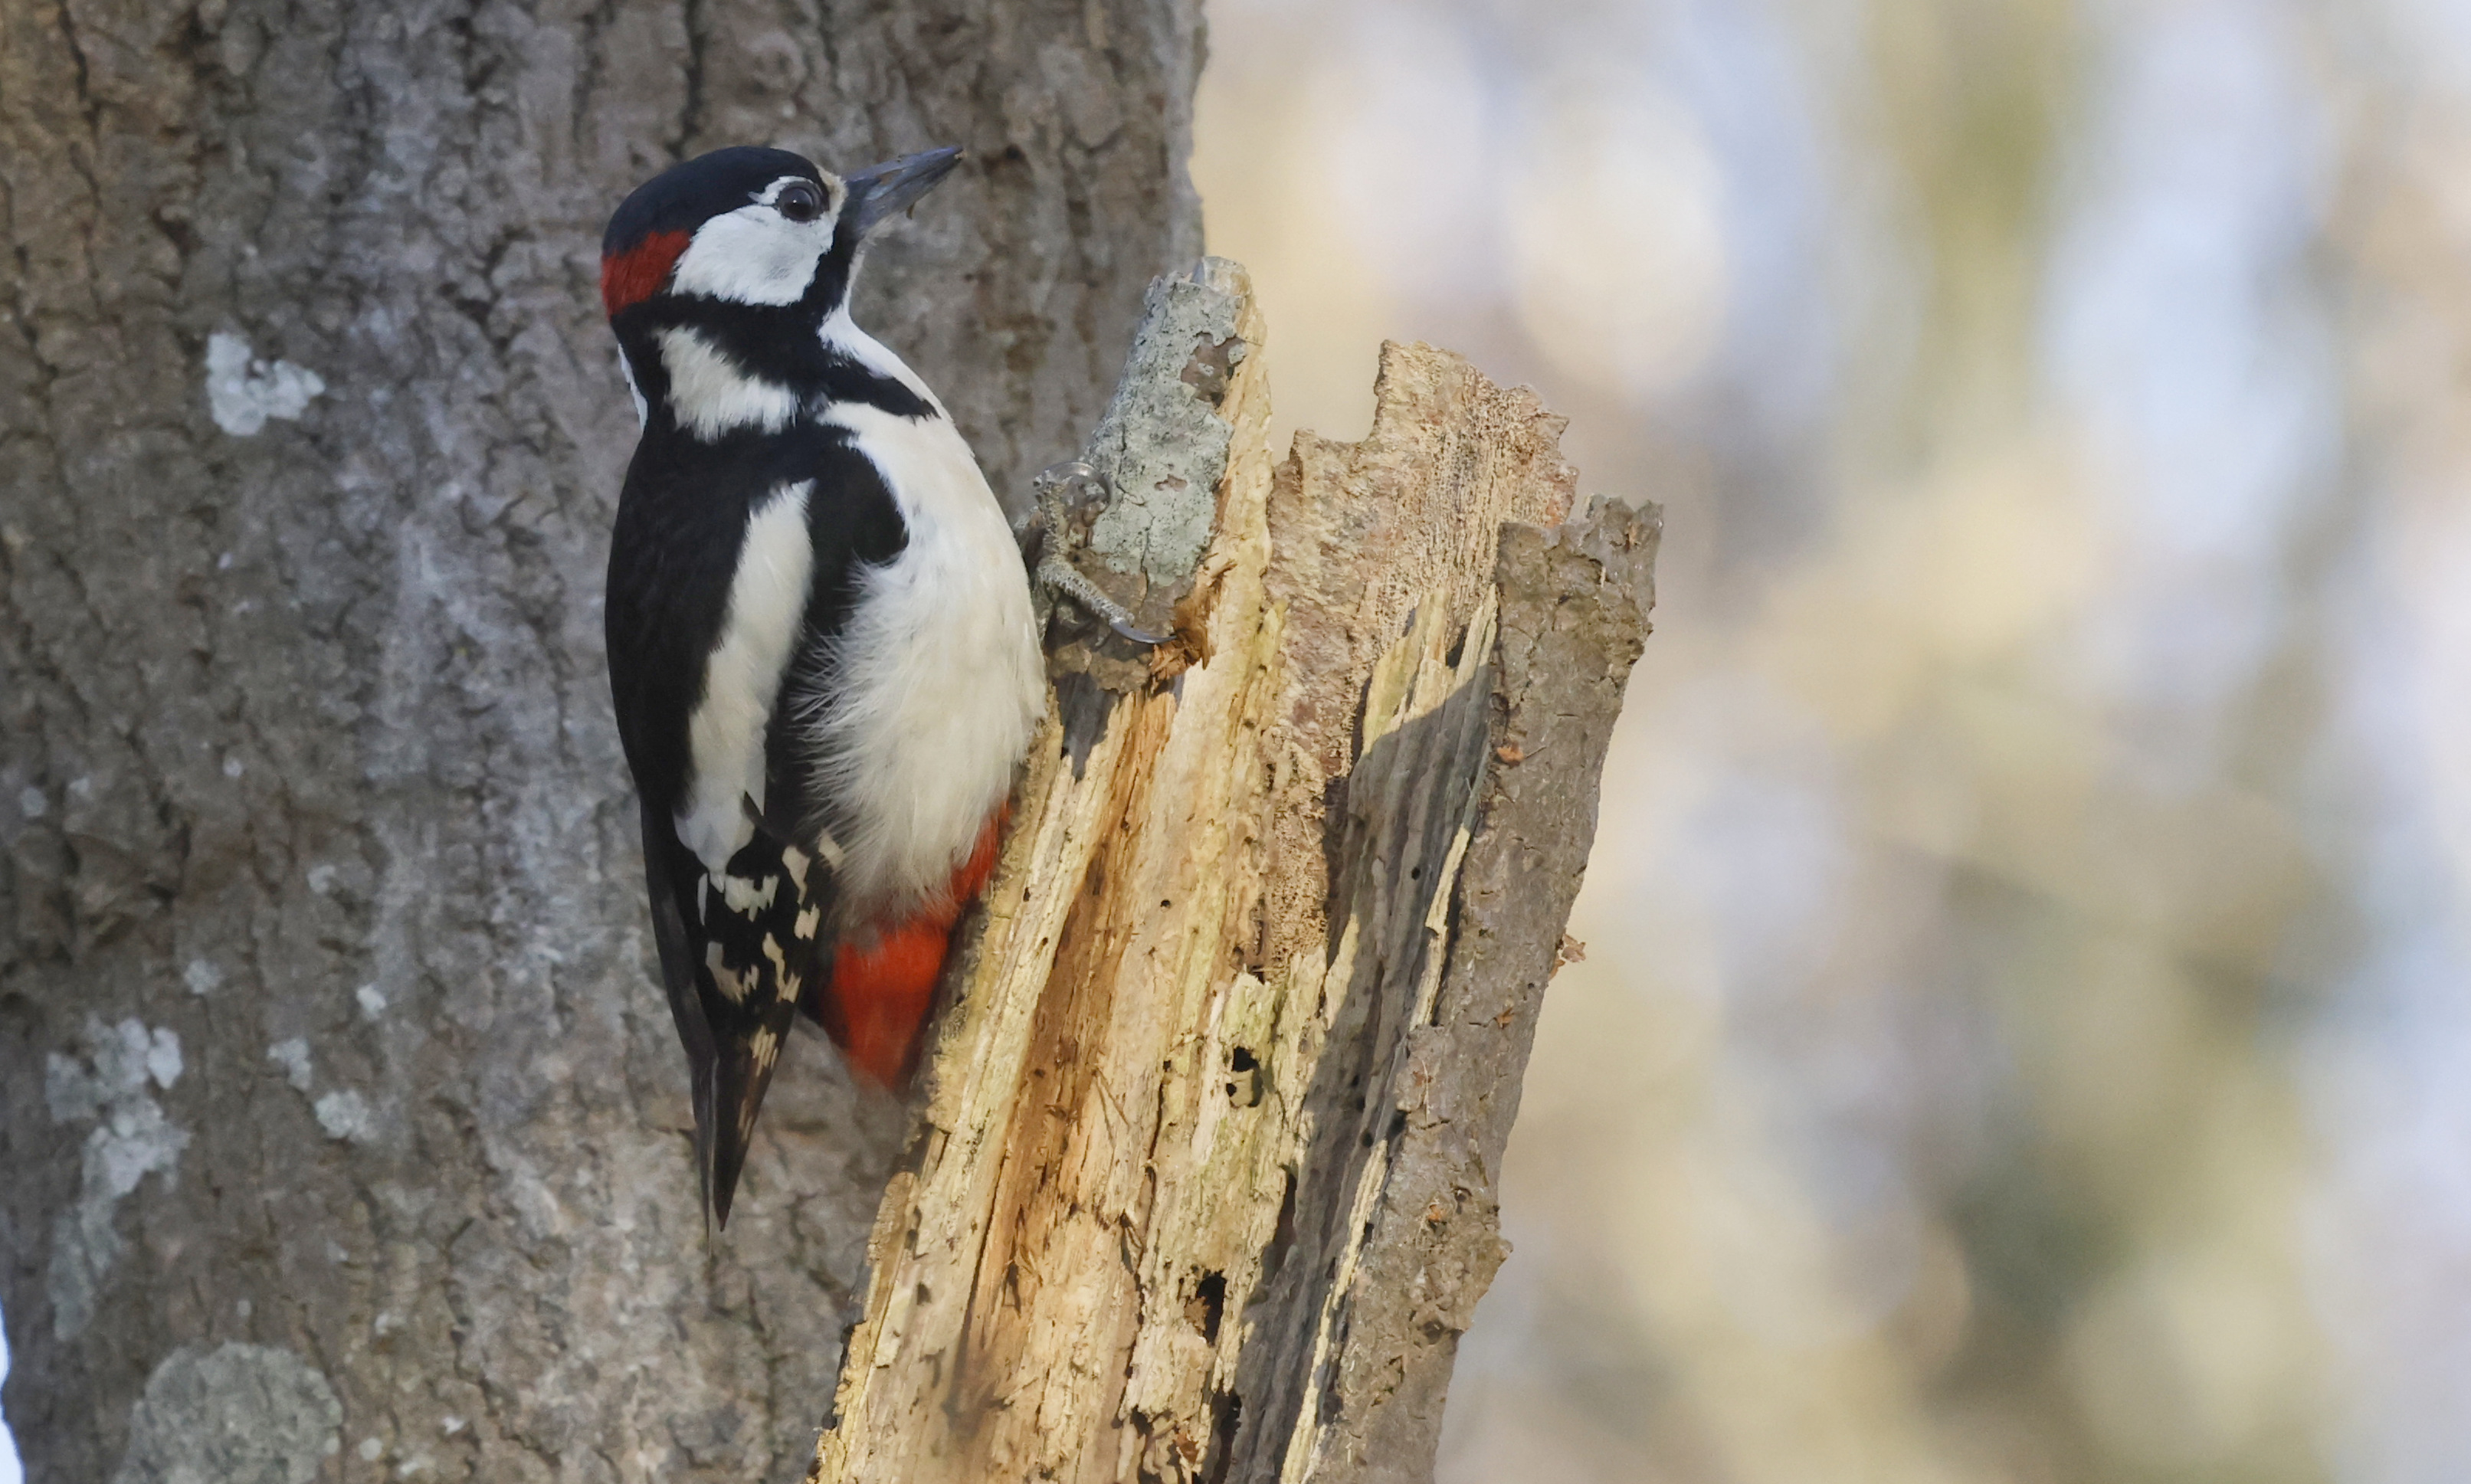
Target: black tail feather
(728,1133)
(726,1104)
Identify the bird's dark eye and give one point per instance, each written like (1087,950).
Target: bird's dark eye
(800,201)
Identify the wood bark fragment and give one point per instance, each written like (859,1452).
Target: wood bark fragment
(1204,1185)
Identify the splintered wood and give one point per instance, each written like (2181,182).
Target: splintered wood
(1204,1184)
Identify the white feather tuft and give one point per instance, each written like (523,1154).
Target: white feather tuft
(711,394)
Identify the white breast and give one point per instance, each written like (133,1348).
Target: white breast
(937,680)
(768,612)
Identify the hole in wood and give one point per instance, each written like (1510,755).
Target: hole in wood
(1244,1087)
(1207,1305)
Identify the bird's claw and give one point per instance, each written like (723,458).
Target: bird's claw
(1069,497)
(1065,580)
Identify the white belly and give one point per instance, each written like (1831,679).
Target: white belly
(935,683)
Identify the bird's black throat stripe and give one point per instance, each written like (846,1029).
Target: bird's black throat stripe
(752,336)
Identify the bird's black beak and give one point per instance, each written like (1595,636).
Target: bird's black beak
(882,192)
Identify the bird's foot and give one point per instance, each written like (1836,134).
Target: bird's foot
(1070,496)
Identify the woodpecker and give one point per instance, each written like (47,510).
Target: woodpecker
(821,644)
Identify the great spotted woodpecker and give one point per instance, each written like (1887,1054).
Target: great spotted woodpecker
(821,645)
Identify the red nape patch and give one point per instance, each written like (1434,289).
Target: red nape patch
(875,1007)
(636,275)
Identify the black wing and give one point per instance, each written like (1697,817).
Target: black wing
(739,951)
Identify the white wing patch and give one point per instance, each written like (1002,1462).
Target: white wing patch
(768,612)
(713,395)
(937,680)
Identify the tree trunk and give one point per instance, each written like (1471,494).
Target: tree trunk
(1204,1190)
(341,1130)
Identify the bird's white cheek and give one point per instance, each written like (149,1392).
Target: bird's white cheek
(753,255)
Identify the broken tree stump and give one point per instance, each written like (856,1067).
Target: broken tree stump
(1204,1182)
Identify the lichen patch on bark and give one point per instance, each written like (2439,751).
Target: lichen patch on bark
(237,1412)
(109,1083)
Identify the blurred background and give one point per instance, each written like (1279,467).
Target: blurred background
(2024,1034)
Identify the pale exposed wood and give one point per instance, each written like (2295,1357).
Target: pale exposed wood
(1345,1375)
(1215,1032)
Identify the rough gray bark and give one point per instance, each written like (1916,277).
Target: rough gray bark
(341,1134)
